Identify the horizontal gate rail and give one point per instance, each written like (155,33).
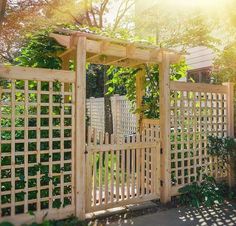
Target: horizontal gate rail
(108,147)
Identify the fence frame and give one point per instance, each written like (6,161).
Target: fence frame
(224,89)
(230,111)
(40,75)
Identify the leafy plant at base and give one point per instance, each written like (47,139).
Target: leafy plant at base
(209,192)
(224,148)
(206,193)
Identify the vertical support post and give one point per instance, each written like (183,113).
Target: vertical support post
(139,96)
(80,130)
(91,103)
(65,62)
(66,66)
(230,128)
(114,107)
(165,128)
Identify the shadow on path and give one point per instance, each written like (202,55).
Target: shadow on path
(223,215)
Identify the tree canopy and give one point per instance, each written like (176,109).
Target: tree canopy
(19,18)
(22,44)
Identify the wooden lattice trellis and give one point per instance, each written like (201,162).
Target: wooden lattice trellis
(124,120)
(37,132)
(196,112)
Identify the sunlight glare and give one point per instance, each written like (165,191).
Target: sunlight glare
(195,3)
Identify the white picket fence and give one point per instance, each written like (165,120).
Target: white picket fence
(124,121)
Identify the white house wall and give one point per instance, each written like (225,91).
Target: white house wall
(199,57)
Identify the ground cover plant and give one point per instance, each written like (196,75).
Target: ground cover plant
(209,192)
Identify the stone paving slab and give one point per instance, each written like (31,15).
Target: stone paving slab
(224,215)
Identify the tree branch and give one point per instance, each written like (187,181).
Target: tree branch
(120,14)
(63,12)
(93,15)
(101,12)
(3,5)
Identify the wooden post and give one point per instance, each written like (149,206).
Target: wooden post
(230,127)
(91,103)
(139,96)
(115,107)
(80,114)
(165,128)
(65,62)
(66,66)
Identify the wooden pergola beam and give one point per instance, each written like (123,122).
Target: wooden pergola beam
(111,48)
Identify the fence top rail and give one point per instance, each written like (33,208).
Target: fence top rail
(36,74)
(123,146)
(197,87)
(151,121)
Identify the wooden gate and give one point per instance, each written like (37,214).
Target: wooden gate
(121,171)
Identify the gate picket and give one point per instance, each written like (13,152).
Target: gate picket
(121,171)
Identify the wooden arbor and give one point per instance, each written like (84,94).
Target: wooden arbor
(87,47)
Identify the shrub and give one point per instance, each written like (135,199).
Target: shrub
(222,147)
(206,193)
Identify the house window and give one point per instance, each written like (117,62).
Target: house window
(201,75)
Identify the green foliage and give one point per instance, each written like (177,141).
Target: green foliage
(209,192)
(225,66)
(222,147)
(94,81)
(206,193)
(122,81)
(40,51)
(6,224)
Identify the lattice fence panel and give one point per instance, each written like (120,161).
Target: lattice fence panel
(95,113)
(124,121)
(195,115)
(36,134)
